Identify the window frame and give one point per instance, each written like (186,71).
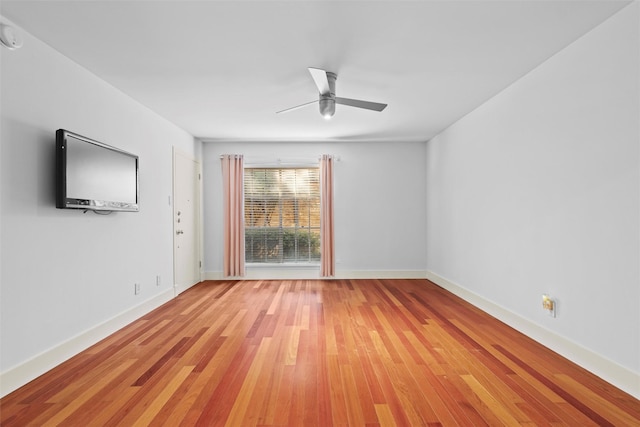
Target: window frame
(312,265)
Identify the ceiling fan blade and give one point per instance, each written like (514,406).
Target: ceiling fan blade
(321,80)
(361,104)
(286,110)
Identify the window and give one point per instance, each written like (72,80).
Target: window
(282,215)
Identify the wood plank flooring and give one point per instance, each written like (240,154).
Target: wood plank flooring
(318,353)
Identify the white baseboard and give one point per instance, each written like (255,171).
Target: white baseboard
(21,374)
(620,376)
(270,273)
(177,289)
(381,274)
(608,370)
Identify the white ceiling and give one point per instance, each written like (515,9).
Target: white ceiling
(221,69)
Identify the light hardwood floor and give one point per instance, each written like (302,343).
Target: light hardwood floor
(318,353)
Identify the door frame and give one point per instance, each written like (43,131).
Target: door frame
(177,290)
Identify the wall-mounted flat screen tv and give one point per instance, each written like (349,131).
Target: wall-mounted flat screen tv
(93,175)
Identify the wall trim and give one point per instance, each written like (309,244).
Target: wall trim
(27,371)
(381,274)
(270,273)
(177,289)
(619,376)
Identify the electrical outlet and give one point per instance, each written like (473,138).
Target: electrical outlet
(136,288)
(158,281)
(549,304)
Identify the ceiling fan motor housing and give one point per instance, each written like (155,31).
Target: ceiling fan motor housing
(327,102)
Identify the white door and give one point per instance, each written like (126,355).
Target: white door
(186,221)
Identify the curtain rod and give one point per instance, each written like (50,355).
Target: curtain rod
(285,161)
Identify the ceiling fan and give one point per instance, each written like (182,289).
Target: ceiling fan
(327,100)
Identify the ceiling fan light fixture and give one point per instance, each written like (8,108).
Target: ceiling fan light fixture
(327,107)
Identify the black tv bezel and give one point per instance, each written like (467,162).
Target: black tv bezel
(64,202)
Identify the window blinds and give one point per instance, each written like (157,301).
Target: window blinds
(282,215)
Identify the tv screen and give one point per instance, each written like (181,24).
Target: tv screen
(93,175)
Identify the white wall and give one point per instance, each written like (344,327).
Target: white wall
(379,204)
(537,191)
(65,273)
